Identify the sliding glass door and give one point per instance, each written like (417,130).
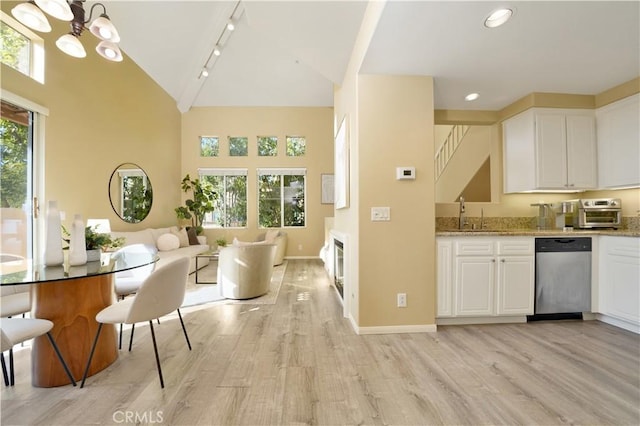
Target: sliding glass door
(17,182)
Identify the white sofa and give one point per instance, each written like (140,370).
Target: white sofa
(150,237)
(279,238)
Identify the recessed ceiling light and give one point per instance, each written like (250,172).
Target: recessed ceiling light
(498,17)
(471,97)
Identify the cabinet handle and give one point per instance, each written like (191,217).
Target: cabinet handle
(493,260)
(502,260)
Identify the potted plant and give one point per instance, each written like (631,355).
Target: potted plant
(221,242)
(95,242)
(201,202)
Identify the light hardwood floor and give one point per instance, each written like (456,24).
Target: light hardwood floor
(299,362)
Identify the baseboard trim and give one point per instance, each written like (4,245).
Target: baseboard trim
(481,320)
(627,325)
(302,257)
(395,329)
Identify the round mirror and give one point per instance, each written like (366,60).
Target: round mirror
(130,192)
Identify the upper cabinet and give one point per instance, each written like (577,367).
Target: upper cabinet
(619,143)
(550,149)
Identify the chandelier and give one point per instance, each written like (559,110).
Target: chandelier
(30,14)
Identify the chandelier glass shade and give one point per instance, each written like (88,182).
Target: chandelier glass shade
(31,14)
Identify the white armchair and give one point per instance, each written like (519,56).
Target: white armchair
(245,271)
(279,238)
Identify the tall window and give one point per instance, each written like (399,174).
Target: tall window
(281,195)
(21,48)
(231,206)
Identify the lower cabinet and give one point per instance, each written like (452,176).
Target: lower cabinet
(485,277)
(619,281)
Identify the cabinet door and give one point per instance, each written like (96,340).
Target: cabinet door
(581,152)
(551,151)
(620,278)
(444,278)
(515,285)
(518,152)
(474,285)
(618,127)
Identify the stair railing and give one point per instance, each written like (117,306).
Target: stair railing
(448,147)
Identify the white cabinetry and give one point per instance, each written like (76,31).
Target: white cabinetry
(619,281)
(562,145)
(481,277)
(619,143)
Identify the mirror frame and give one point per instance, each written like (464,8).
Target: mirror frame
(116,192)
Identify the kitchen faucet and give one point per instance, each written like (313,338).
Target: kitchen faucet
(462,220)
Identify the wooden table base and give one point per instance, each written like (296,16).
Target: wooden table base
(72,306)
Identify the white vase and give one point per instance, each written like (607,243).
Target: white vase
(77,243)
(53,242)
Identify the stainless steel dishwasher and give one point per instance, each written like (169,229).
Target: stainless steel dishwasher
(563,278)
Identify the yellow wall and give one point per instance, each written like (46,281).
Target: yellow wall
(396,129)
(315,124)
(101,114)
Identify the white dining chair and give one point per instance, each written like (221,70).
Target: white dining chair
(127,283)
(18,330)
(14,299)
(161,292)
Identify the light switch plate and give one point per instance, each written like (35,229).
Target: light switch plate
(380,214)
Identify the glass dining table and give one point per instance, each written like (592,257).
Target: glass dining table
(70,297)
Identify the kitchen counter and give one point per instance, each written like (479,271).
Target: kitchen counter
(535,232)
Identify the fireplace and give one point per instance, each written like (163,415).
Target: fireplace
(338,266)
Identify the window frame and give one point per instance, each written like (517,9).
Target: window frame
(224,172)
(36,48)
(281,171)
(217,138)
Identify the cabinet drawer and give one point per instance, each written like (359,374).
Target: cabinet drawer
(513,246)
(474,247)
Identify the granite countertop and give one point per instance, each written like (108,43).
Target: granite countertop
(536,232)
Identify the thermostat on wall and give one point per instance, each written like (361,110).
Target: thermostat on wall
(403,173)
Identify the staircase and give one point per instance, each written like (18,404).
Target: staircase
(448,148)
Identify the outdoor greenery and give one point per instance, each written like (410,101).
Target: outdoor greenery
(296,146)
(209,146)
(14,48)
(202,200)
(137,198)
(267,146)
(238,146)
(281,201)
(230,207)
(14,142)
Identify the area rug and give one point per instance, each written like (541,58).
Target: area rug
(199,294)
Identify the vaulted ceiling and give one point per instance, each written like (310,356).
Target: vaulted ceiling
(291,53)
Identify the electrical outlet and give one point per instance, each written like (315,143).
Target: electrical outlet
(402,300)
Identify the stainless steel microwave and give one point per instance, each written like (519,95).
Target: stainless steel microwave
(597,213)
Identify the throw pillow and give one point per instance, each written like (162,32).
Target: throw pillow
(193,236)
(182,236)
(168,242)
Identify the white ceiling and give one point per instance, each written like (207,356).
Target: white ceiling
(291,53)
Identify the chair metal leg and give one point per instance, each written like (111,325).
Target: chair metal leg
(184,330)
(133,327)
(4,370)
(12,377)
(155,348)
(120,338)
(93,348)
(64,364)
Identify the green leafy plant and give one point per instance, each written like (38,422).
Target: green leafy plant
(221,242)
(201,202)
(95,240)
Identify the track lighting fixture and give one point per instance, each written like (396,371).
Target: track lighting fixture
(30,14)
